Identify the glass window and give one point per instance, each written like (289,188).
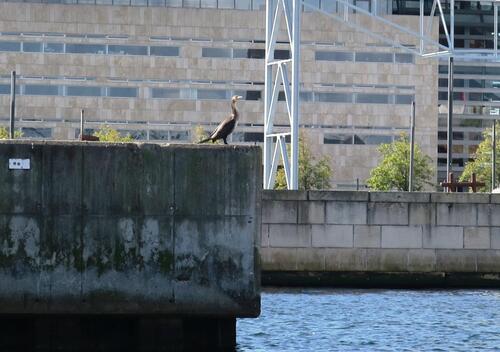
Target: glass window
(368,98)
(249,94)
(405,58)
(165,93)
(226,4)
(371,139)
(101,2)
(179,135)
(82,91)
(30,47)
(190,3)
(334,97)
(39,89)
(173,3)
(404,99)
(158,135)
(85,49)
(121,2)
(244,4)
(253,137)
(139,2)
(4,89)
(164,50)
(374,57)
(122,92)
(53,47)
(156,3)
(314,3)
(249,53)
(331,138)
(334,55)
(208,4)
(306,96)
(212,94)
(127,49)
(10,46)
(259,5)
(281,54)
(31,132)
(215,52)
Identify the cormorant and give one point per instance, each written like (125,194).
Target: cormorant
(227,126)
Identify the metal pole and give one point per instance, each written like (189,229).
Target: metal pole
(294,167)
(493,155)
(81,124)
(452,26)
(268,141)
(449,159)
(412,146)
(495,28)
(12,103)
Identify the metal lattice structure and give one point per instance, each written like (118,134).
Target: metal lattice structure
(278,71)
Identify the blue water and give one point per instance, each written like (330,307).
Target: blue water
(373,320)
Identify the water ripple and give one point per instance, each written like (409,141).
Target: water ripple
(373,320)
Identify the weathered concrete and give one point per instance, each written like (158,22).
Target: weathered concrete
(410,237)
(130,229)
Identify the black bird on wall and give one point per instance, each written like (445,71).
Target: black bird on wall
(227,126)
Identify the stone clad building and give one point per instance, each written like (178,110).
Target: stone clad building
(158,71)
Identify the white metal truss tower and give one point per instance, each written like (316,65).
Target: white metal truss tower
(278,71)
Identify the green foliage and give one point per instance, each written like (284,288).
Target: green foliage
(4,133)
(393,171)
(198,133)
(481,164)
(108,134)
(313,173)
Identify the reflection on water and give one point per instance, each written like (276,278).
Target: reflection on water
(373,320)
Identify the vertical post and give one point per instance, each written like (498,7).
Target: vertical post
(294,167)
(449,147)
(268,141)
(421,27)
(81,124)
(493,155)
(12,103)
(412,146)
(495,30)
(452,26)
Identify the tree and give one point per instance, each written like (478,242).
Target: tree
(4,133)
(108,134)
(393,171)
(481,162)
(313,173)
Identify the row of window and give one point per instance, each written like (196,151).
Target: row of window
(470,96)
(210,94)
(321,55)
(243,53)
(103,49)
(333,138)
(470,83)
(472,70)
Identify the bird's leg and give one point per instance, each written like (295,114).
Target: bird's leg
(225,142)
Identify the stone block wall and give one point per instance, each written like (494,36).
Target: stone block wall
(396,232)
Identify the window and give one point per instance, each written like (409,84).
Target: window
(253,137)
(82,91)
(127,49)
(372,139)
(29,47)
(374,57)
(158,135)
(53,47)
(139,2)
(367,98)
(191,3)
(212,94)
(173,3)
(306,96)
(404,99)
(333,56)
(122,92)
(226,4)
(405,58)
(249,53)
(164,51)
(211,4)
(165,93)
(156,3)
(31,132)
(244,4)
(334,97)
(281,54)
(85,49)
(5,89)
(38,89)
(216,52)
(10,46)
(249,94)
(179,135)
(331,138)
(259,4)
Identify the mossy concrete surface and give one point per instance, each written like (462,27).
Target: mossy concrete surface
(100,228)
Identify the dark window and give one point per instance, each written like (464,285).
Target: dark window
(4,89)
(53,47)
(405,58)
(334,97)
(127,49)
(31,47)
(38,89)
(122,92)
(253,137)
(404,99)
(249,94)
(281,54)
(331,138)
(372,98)
(166,93)
(212,94)
(85,49)
(442,136)
(82,91)
(164,51)
(371,139)
(10,46)
(374,57)
(458,136)
(31,132)
(334,55)
(216,52)
(249,53)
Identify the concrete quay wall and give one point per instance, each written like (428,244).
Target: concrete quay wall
(138,229)
(380,239)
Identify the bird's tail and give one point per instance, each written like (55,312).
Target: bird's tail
(205,140)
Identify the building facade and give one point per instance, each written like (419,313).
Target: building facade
(156,70)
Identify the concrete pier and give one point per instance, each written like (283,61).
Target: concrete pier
(146,245)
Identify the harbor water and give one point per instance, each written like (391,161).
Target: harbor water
(373,320)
